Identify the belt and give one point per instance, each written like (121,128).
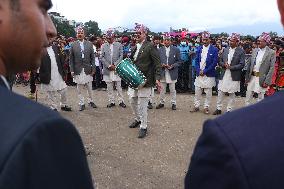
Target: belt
(256,74)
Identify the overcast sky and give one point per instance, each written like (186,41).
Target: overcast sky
(160,15)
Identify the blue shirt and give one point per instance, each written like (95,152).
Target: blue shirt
(184,52)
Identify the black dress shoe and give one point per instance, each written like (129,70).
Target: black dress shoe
(135,124)
(142,133)
(150,105)
(174,107)
(217,112)
(66,108)
(122,105)
(54,109)
(194,110)
(92,105)
(110,105)
(82,107)
(160,106)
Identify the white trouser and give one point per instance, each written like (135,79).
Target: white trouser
(220,99)
(139,104)
(110,91)
(51,98)
(89,90)
(198,95)
(152,96)
(173,93)
(249,96)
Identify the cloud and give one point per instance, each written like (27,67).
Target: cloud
(160,15)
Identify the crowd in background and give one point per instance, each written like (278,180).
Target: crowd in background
(186,75)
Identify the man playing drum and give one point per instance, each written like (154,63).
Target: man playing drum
(146,58)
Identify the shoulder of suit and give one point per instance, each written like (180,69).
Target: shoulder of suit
(30,108)
(89,43)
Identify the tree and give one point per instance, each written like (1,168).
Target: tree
(64,28)
(92,28)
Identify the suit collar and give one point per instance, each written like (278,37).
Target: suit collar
(4,82)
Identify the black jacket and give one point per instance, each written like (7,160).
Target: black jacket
(45,67)
(38,148)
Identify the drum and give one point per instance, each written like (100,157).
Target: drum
(130,74)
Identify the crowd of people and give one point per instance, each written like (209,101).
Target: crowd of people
(41,149)
(182,79)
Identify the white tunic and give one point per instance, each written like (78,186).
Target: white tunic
(204,82)
(168,78)
(227,84)
(111,77)
(56,81)
(253,84)
(83,79)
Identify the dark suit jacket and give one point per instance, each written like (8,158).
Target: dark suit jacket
(211,61)
(38,148)
(243,149)
(237,63)
(174,60)
(45,67)
(148,62)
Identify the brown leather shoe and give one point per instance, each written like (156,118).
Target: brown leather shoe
(194,110)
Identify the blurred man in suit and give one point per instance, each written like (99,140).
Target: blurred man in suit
(232,60)
(111,55)
(38,148)
(146,57)
(170,61)
(242,149)
(51,75)
(260,69)
(82,66)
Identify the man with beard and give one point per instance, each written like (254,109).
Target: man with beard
(38,148)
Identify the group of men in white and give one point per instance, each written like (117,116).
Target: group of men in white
(232,60)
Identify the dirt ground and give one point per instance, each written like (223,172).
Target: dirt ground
(118,159)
